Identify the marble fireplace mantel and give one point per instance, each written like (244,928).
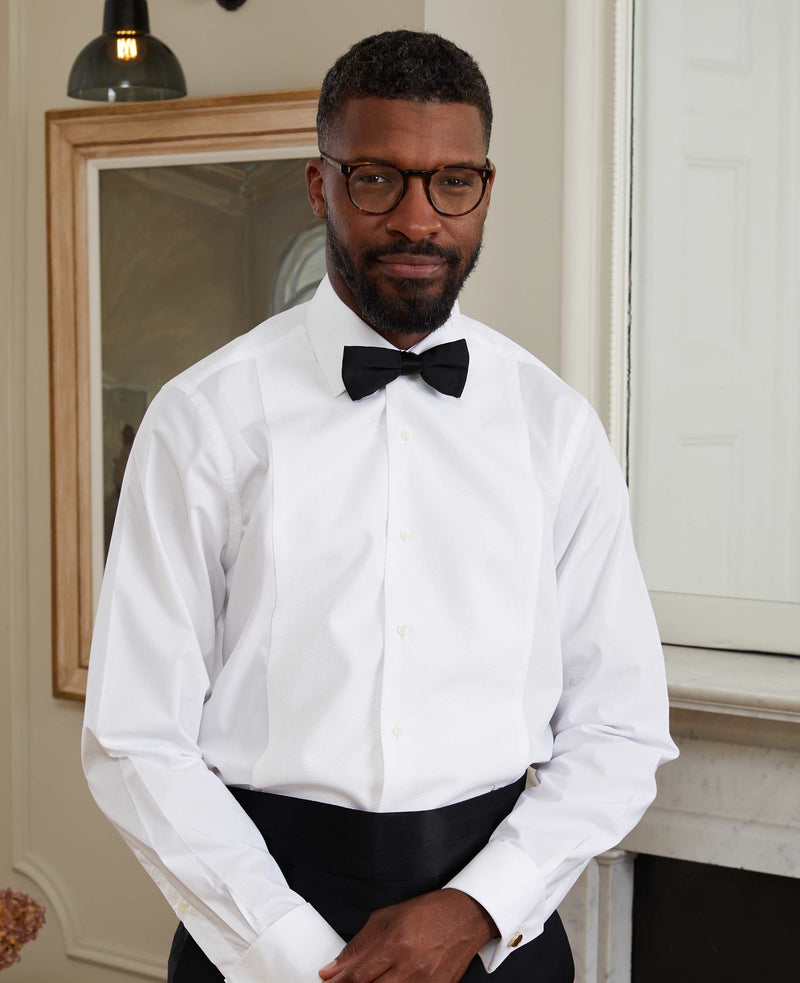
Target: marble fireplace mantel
(746,684)
(732,798)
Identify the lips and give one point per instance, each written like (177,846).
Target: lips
(411,266)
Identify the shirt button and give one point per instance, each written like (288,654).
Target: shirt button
(397,731)
(405,534)
(405,434)
(515,940)
(182,908)
(402,630)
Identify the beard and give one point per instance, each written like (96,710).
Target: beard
(417,306)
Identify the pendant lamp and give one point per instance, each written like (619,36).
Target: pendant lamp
(126,63)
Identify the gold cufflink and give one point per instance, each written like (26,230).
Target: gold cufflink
(515,941)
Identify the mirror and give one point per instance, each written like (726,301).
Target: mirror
(172,228)
(190,257)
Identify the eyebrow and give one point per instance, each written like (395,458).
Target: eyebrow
(363,159)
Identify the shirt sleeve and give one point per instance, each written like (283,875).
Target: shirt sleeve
(611,725)
(155,652)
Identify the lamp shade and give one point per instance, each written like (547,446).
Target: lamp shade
(126,63)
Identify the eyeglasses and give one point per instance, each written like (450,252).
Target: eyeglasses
(378,188)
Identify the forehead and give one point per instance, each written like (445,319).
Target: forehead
(409,134)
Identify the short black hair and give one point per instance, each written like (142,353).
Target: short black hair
(416,65)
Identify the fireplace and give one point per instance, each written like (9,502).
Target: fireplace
(713,870)
(700,923)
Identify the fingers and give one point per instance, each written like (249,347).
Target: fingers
(359,971)
(422,940)
(362,960)
(398,962)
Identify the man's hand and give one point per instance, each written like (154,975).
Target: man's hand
(429,939)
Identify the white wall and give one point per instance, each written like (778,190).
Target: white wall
(102,910)
(519,47)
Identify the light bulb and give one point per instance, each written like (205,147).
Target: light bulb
(127,49)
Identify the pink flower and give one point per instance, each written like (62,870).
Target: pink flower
(20,920)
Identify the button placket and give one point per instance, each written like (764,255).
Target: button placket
(399,614)
(404,533)
(398,557)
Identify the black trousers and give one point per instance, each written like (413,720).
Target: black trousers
(348,863)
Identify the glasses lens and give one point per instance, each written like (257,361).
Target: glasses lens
(456,190)
(376,187)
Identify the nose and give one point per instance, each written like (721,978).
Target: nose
(414,218)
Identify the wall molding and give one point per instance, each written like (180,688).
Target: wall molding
(620,244)
(596,215)
(78,945)
(17,428)
(23,859)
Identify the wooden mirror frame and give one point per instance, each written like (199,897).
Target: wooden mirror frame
(74,139)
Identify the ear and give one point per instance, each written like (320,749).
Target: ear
(490,185)
(316,186)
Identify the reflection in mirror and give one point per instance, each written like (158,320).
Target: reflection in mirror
(191,256)
(715,348)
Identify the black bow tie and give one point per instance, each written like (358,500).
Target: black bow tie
(366,370)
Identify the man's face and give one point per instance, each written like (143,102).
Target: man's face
(401,271)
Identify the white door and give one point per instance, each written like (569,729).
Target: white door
(715,324)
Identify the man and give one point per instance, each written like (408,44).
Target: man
(372,561)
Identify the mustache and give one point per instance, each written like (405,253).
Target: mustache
(450,256)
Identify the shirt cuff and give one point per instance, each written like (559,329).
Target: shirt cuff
(510,887)
(292,950)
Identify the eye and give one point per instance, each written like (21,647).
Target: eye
(453,181)
(375,177)
(368,177)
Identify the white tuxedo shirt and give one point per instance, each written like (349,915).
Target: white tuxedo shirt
(390,604)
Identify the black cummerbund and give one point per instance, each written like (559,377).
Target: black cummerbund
(348,863)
